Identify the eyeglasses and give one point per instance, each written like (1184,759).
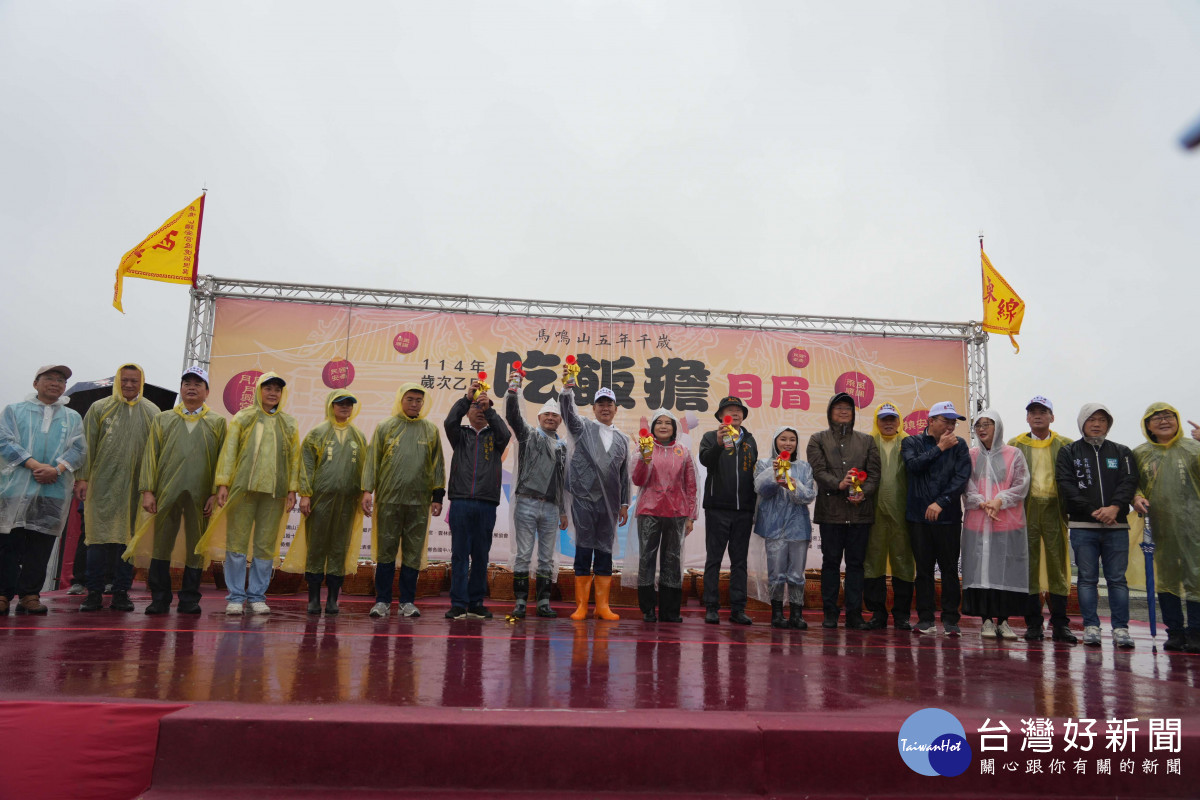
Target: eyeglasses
(984,423)
(1162,416)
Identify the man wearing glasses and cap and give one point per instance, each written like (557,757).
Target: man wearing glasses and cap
(729,501)
(1046,517)
(41,447)
(938,465)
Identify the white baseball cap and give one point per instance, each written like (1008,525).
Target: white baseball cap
(945,409)
(602,393)
(887,410)
(199,372)
(1040,401)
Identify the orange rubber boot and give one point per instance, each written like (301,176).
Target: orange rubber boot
(583,588)
(603,587)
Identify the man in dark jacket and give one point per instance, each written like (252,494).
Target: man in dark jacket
(1097,480)
(474,491)
(729,455)
(939,465)
(845,509)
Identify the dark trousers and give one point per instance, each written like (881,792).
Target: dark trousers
(838,542)
(24,556)
(471,524)
(726,530)
(592,562)
(875,597)
(99,558)
(79,565)
(1058,611)
(158,580)
(937,544)
(1171,606)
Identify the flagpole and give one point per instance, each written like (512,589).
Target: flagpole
(200,227)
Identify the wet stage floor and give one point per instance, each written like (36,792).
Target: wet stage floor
(292,658)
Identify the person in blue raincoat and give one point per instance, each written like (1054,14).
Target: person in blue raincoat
(783,523)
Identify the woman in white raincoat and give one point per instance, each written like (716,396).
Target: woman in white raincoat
(41,446)
(995,547)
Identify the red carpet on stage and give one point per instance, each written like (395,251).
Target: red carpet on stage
(103,705)
(77,751)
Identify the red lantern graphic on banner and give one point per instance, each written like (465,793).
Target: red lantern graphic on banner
(798,357)
(405,342)
(338,373)
(239,391)
(916,422)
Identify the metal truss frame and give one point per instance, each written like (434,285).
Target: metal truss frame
(208,289)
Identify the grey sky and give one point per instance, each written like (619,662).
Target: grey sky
(833,158)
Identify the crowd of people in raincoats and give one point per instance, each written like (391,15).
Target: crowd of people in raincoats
(183,487)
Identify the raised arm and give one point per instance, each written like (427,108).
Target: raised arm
(512,413)
(454,420)
(570,414)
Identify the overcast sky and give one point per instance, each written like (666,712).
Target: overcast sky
(829,159)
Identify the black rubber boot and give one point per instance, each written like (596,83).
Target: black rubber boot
(902,597)
(543,584)
(189,591)
(738,617)
(648,602)
(520,594)
(831,618)
(158,580)
(777,620)
(796,620)
(333,586)
(1176,641)
(669,602)
(1193,641)
(712,615)
(314,592)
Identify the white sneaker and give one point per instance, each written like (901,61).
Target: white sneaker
(234,609)
(1121,637)
(379,610)
(1091,635)
(1005,632)
(77,588)
(988,631)
(409,610)
(260,608)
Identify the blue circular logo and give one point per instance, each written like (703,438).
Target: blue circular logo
(933,742)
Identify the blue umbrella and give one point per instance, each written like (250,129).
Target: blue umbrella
(1148,551)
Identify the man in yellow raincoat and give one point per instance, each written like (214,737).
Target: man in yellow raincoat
(327,543)
(115,429)
(258,475)
(176,483)
(888,548)
(1046,518)
(1169,491)
(403,483)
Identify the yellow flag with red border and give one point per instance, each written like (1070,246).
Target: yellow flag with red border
(168,255)
(1003,308)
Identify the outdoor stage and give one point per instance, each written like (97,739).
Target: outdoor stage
(288,705)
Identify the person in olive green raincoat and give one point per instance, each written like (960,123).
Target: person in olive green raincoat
(889,550)
(258,475)
(403,483)
(176,485)
(116,429)
(1169,491)
(1046,521)
(327,542)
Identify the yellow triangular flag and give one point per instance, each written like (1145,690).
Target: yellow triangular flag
(168,255)
(1003,309)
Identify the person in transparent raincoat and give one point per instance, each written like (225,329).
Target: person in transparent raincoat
(41,447)
(404,482)
(179,464)
(995,546)
(782,522)
(666,512)
(1169,491)
(889,550)
(328,539)
(598,482)
(116,429)
(539,508)
(258,474)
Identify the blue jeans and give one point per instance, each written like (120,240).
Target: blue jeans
(471,524)
(235,578)
(1108,547)
(535,519)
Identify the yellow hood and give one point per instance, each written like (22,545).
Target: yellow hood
(283,395)
(117,384)
(334,396)
(410,387)
(1151,411)
(878,434)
